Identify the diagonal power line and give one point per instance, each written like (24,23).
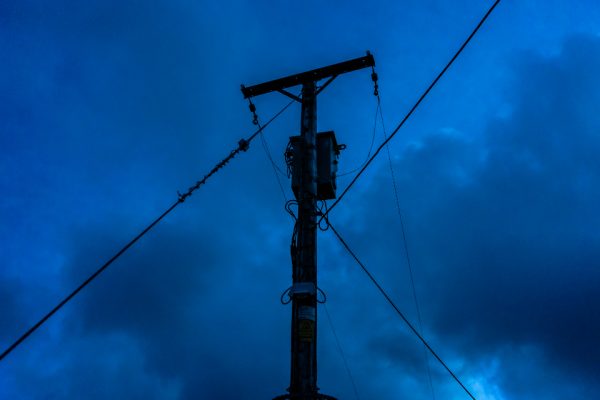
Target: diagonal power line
(341,351)
(416,105)
(370,160)
(389,300)
(242,146)
(405,242)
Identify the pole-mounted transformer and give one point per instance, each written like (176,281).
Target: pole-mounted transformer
(312,160)
(328,152)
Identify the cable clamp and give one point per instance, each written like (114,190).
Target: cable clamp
(243,144)
(253,111)
(375,78)
(298,289)
(303,289)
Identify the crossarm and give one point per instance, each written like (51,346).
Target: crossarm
(313,75)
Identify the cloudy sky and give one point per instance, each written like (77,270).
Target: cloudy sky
(108,108)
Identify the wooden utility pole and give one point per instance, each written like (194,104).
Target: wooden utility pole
(309,179)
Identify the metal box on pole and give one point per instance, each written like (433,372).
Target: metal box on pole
(328,152)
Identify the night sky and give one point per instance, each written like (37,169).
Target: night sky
(108,108)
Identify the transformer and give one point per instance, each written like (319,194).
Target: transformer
(328,152)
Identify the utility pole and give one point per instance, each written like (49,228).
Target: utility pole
(313,161)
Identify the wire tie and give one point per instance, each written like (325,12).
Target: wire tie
(243,144)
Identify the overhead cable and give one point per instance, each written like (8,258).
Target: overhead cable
(370,146)
(405,242)
(341,351)
(243,145)
(391,302)
(416,105)
(265,144)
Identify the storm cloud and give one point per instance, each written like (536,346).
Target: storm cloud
(501,216)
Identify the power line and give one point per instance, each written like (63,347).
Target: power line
(265,145)
(416,105)
(339,346)
(267,150)
(389,300)
(366,165)
(405,242)
(276,169)
(243,145)
(370,146)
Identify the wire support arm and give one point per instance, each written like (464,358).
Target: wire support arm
(395,307)
(327,83)
(309,76)
(290,95)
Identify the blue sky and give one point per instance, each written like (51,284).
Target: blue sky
(108,108)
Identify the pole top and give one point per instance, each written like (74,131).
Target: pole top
(309,76)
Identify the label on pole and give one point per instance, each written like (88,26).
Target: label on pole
(306,323)
(308,313)
(306,330)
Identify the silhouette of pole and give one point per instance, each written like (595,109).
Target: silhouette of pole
(303,293)
(303,379)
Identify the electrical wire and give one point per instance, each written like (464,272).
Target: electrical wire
(267,150)
(339,346)
(370,147)
(391,302)
(276,170)
(416,105)
(243,145)
(405,242)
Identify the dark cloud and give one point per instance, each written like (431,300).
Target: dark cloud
(9,315)
(503,228)
(199,306)
(502,223)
